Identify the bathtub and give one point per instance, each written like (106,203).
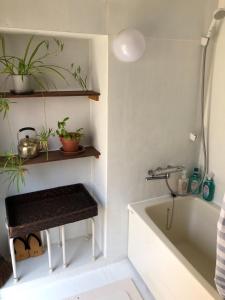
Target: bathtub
(175,257)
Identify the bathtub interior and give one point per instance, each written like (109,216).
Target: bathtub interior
(193,231)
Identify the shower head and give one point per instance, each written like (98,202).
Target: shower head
(218,15)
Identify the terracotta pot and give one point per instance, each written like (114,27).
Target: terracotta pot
(69,145)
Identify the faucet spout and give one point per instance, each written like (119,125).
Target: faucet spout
(157,177)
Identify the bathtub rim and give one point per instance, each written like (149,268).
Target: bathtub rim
(139,208)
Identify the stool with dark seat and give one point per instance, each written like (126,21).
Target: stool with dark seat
(42,210)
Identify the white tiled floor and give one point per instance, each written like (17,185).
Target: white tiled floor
(120,290)
(82,275)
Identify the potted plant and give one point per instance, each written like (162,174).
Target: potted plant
(33,64)
(69,140)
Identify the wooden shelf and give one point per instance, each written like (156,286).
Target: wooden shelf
(90,94)
(58,155)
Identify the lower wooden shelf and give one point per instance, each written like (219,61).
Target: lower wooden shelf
(58,155)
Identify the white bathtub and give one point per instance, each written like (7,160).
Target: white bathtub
(176,264)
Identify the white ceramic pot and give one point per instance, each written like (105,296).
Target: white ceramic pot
(22,84)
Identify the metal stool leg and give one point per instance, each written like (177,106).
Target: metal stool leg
(13,257)
(60,239)
(49,250)
(62,229)
(93,238)
(42,238)
(87,235)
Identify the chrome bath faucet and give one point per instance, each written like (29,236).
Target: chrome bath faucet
(163,173)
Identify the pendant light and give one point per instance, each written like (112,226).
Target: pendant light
(129,45)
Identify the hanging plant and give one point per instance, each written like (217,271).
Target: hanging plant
(4,106)
(12,165)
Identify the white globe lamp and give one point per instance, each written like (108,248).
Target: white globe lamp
(129,45)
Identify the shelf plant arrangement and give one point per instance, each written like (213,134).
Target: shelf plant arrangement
(33,64)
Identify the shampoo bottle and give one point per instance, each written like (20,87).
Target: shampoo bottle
(183,183)
(195,182)
(208,188)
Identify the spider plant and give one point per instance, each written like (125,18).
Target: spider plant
(12,165)
(34,63)
(44,135)
(31,63)
(4,106)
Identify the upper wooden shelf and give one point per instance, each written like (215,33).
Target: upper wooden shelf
(90,94)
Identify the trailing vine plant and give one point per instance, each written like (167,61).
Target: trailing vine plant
(12,165)
(4,106)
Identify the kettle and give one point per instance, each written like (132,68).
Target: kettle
(28,147)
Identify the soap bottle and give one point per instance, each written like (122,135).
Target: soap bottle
(183,183)
(208,188)
(195,182)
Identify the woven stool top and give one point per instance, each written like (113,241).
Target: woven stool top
(49,208)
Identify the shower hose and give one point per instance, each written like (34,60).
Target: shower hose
(204,136)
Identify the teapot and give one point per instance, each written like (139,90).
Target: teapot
(28,147)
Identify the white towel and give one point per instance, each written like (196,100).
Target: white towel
(220,258)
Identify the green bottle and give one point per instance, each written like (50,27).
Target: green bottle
(195,182)
(208,188)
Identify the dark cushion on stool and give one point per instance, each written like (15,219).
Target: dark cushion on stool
(49,208)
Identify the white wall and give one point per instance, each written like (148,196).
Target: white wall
(99,128)
(152,103)
(175,19)
(217,115)
(80,16)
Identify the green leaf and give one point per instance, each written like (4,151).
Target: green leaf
(27,48)
(53,70)
(36,50)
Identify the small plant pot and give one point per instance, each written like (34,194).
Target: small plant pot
(22,84)
(69,145)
